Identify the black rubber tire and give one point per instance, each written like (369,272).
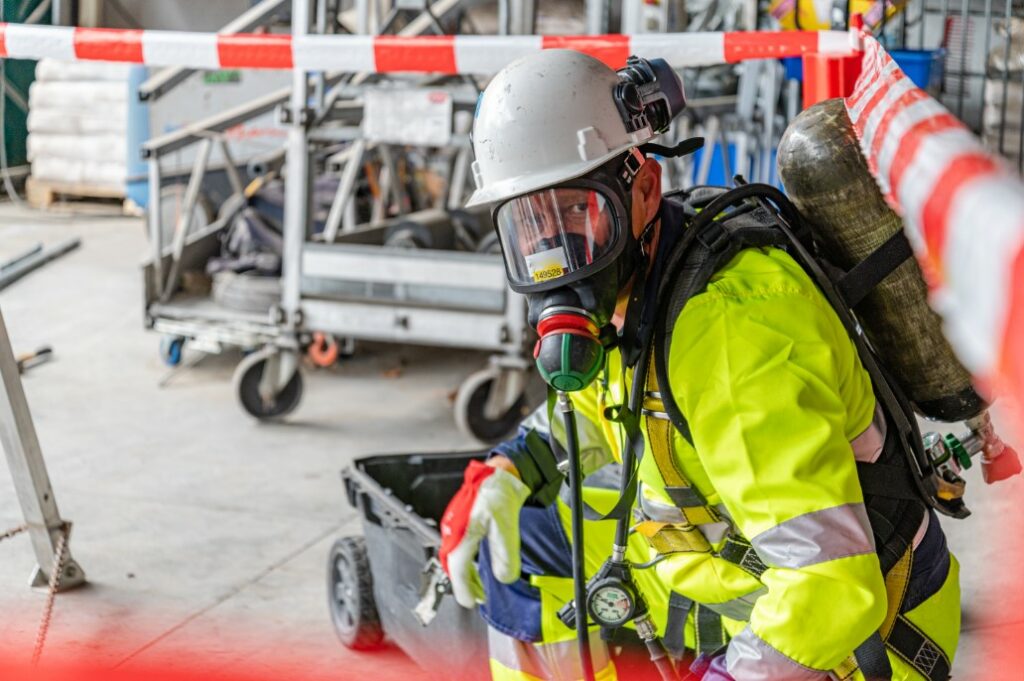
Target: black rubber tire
(408,234)
(246,292)
(247,389)
(489,244)
(350,595)
(486,430)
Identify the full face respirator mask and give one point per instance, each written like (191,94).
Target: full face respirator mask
(570,248)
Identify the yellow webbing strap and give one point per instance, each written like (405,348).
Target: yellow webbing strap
(846,669)
(673,537)
(659,433)
(896,582)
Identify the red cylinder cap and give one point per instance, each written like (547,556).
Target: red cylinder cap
(1005,465)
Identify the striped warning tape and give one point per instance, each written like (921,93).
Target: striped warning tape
(964,214)
(483,55)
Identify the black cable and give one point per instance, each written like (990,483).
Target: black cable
(579,576)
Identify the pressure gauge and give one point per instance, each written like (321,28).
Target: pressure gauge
(611,602)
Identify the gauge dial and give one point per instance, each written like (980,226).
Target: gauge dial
(611,605)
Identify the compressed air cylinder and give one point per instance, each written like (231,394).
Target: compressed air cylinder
(824,173)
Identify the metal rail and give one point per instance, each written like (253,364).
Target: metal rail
(165,80)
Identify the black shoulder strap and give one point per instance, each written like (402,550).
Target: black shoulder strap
(692,271)
(856,284)
(714,237)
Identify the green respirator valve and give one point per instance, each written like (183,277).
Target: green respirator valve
(569,353)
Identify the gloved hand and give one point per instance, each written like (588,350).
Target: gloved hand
(487,505)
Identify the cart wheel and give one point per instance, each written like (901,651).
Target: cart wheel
(471,409)
(350,595)
(247,387)
(170,350)
(408,234)
(489,244)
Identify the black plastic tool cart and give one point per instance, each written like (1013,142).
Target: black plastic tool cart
(388,584)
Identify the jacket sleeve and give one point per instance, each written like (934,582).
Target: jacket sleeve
(762,380)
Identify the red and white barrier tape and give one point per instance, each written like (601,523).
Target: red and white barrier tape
(483,55)
(964,215)
(964,210)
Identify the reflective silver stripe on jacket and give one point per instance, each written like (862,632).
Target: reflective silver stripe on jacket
(559,660)
(749,658)
(738,608)
(867,446)
(816,537)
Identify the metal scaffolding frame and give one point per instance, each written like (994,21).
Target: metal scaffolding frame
(46,529)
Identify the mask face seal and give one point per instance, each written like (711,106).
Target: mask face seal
(570,250)
(556,236)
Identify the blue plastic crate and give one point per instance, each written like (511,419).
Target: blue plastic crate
(794,67)
(923,67)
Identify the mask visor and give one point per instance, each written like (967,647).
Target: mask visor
(552,233)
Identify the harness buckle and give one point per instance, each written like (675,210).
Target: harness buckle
(714,237)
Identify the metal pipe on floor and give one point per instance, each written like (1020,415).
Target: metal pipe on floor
(25,263)
(19,258)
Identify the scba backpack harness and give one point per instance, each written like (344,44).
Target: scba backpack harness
(897,492)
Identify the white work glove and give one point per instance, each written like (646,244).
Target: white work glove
(487,505)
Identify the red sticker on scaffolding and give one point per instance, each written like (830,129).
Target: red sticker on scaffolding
(387,112)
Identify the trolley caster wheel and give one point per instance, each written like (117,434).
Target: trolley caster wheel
(350,595)
(257,394)
(482,417)
(489,244)
(171,348)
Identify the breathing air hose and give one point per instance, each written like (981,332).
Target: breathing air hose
(579,577)
(617,566)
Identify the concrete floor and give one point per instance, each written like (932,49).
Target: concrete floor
(204,534)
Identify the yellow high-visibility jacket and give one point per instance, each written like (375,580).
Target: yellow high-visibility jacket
(778,403)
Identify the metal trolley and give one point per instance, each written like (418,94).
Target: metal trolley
(356,288)
(394,279)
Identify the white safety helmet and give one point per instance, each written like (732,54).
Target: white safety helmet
(544,119)
(556,137)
